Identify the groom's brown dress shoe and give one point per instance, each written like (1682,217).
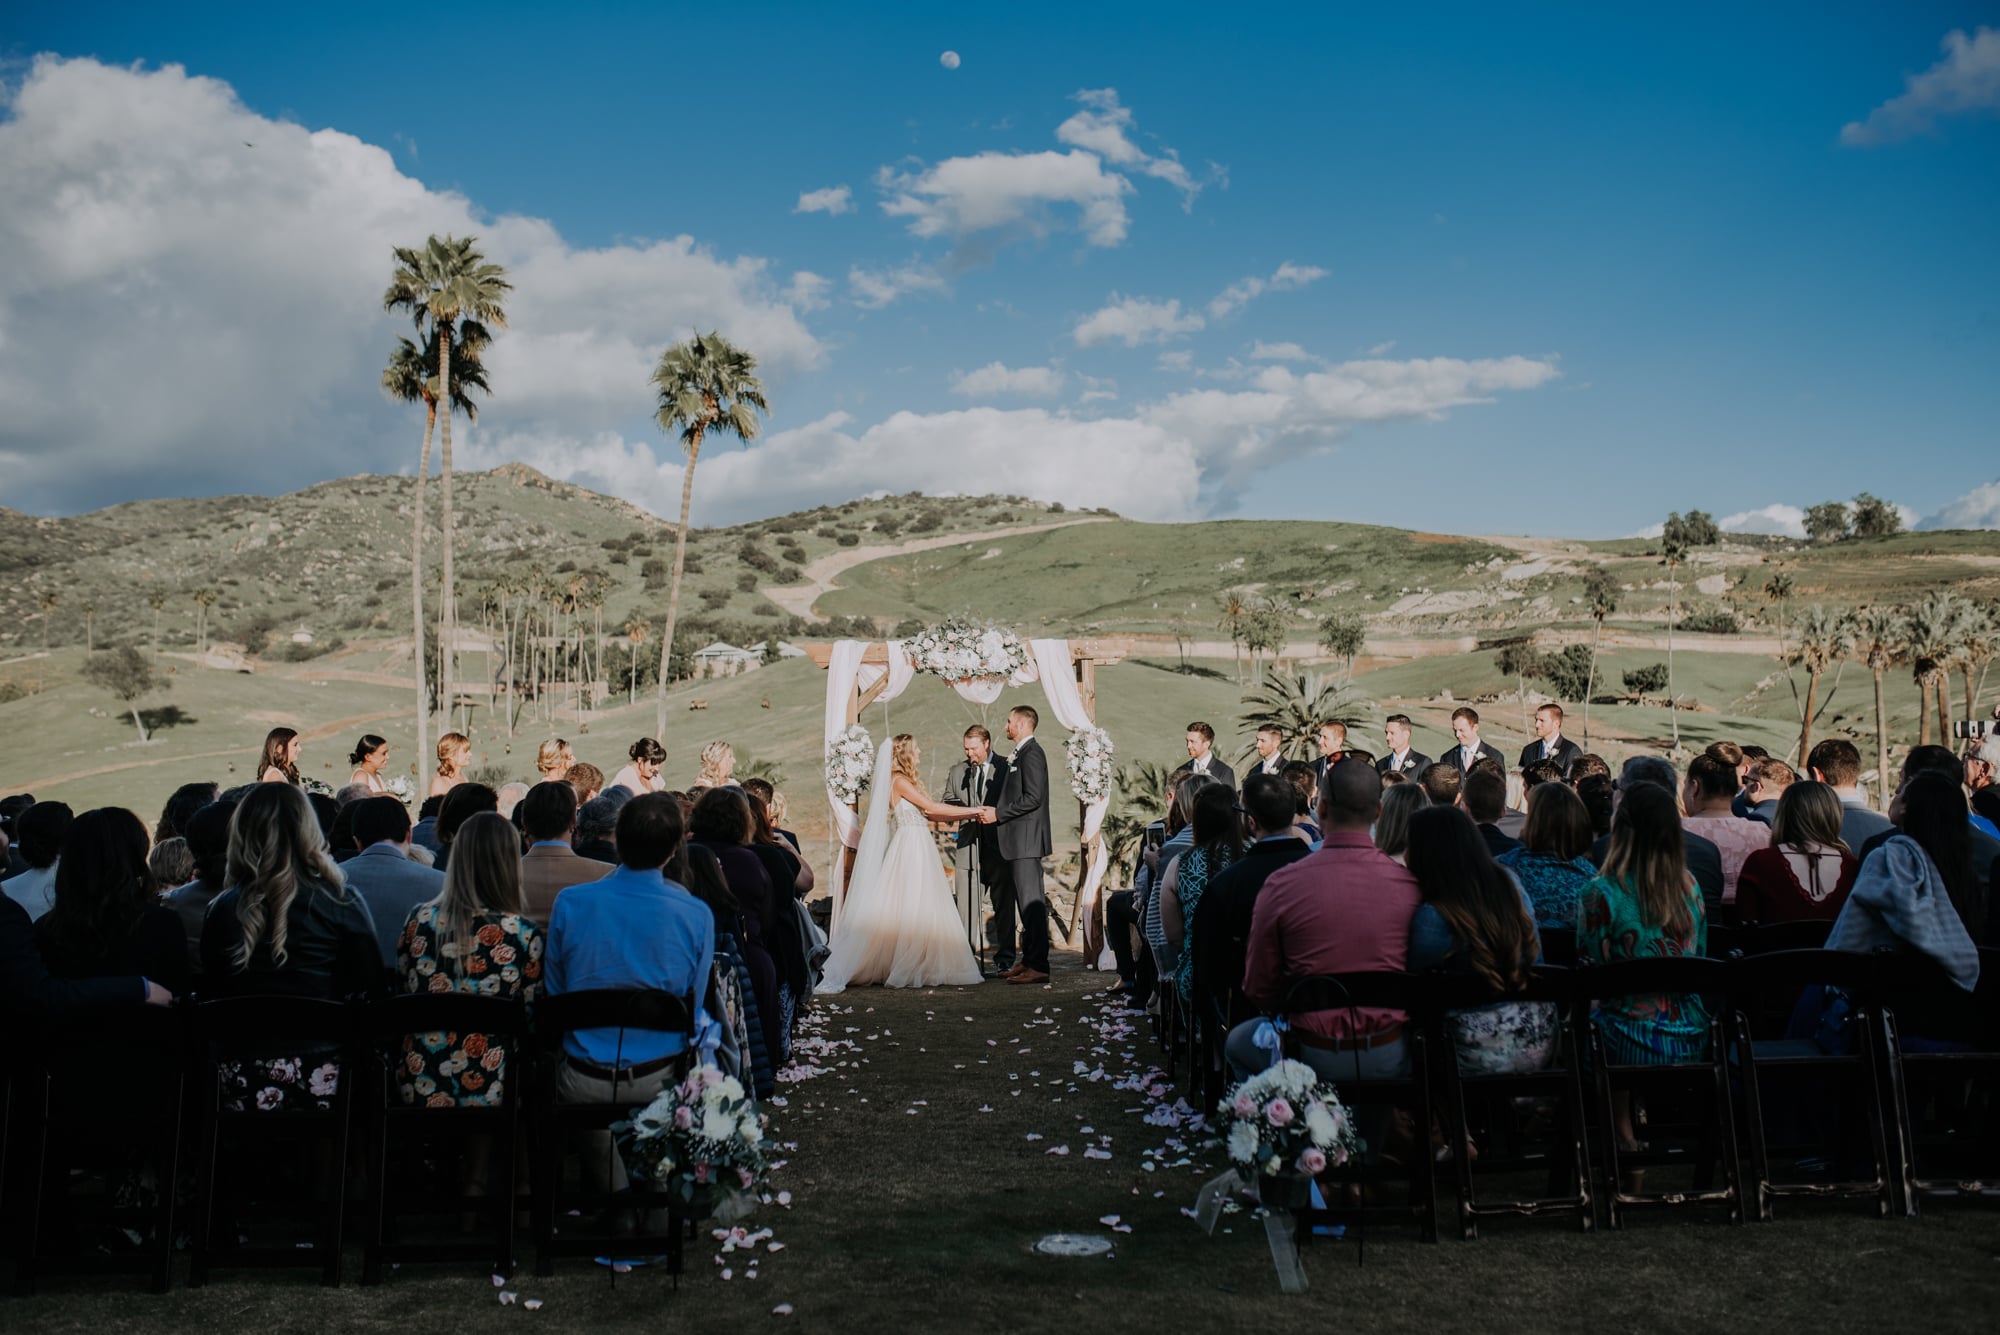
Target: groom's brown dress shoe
(1029,976)
(1014,972)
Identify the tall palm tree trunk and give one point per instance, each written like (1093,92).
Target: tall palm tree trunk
(1924,711)
(1673,615)
(1944,706)
(1590,681)
(1806,720)
(1881,734)
(1971,694)
(447,642)
(417,592)
(674,588)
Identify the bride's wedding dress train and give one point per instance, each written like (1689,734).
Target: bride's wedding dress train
(899,924)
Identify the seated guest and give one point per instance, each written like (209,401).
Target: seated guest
(1305,796)
(28,991)
(634,928)
(1835,761)
(597,824)
(286,924)
(1584,765)
(1537,773)
(1217,843)
(180,808)
(587,779)
(1392,828)
(424,833)
(1180,838)
(1700,855)
(1806,873)
(208,845)
(462,803)
(1645,904)
(1221,928)
(10,811)
(774,802)
(1707,794)
(1599,795)
(1985,850)
(789,873)
(1769,778)
(1442,783)
(1982,776)
(107,917)
(1475,919)
(722,825)
(1484,798)
(1917,892)
(509,797)
(381,872)
(643,774)
(1552,863)
(551,864)
(1549,743)
(1344,909)
(474,938)
(171,864)
(340,839)
(42,829)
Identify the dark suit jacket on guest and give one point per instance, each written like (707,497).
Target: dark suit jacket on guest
(1566,751)
(29,990)
(1221,930)
(1021,829)
(1413,763)
(1498,841)
(1218,770)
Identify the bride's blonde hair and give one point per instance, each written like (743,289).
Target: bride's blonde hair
(903,753)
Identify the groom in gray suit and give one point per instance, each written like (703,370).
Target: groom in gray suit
(1022,818)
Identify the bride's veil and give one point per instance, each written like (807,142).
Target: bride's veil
(874,846)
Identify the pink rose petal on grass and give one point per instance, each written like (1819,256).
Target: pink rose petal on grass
(782,1309)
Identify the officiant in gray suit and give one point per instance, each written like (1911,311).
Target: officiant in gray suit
(976,782)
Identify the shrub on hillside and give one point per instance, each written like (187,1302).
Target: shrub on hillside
(848,539)
(1648,680)
(654,572)
(746,581)
(1711,621)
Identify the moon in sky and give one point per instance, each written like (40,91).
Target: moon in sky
(949,60)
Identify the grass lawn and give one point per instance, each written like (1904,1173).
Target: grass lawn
(915,1210)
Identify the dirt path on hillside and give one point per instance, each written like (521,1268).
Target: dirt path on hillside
(318,734)
(798,599)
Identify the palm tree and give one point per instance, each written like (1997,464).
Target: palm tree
(1296,704)
(203,599)
(1343,634)
(1880,636)
(1929,646)
(636,632)
(1977,640)
(1673,550)
(1822,641)
(705,384)
(48,600)
(1778,589)
(446,286)
(1235,616)
(156,599)
(1141,789)
(1602,590)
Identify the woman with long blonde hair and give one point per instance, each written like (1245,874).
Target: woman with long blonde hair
(553,759)
(899,925)
(718,762)
(287,923)
(454,756)
(472,938)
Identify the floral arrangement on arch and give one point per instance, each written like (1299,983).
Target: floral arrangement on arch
(699,1140)
(1090,751)
(1286,1120)
(960,649)
(850,763)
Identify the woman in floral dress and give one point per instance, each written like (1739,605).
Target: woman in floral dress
(472,938)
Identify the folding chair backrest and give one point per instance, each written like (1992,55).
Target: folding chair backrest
(389,1018)
(634,1008)
(1370,990)
(273,1017)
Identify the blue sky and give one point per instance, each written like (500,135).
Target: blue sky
(1555,271)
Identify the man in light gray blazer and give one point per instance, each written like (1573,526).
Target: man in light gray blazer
(382,873)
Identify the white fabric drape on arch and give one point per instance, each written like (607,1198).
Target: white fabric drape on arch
(1055,668)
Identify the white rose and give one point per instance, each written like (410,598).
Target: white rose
(1321,1126)
(1243,1142)
(717,1125)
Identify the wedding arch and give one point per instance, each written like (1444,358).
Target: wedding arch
(978,662)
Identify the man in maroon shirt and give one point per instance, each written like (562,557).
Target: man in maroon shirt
(1344,909)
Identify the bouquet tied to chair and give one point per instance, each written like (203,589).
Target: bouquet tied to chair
(701,1141)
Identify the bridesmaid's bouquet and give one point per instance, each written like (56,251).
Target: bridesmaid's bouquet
(850,763)
(699,1140)
(1090,752)
(401,789)
(1286,1121)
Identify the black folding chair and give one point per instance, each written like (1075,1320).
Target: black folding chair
(1568,1160)
(1558,945)
(243,1028)
(398,1130)
(626,1010)
(1705,1080)
(63,1123)
(1412,1092)
(1812,1075)
(1725,940)
(1945,1105)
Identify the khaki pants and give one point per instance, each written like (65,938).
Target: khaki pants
(598,1157)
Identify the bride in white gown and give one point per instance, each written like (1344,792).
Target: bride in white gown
(899,924)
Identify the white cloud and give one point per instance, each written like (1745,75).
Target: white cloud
(180,313)
(1178,362)
(1966,80)
(1135,320)
(1033,382)
(1383,349)
(1105,128)
(807,290)
(832,199)
(1287,277)
(1778,520)
(1009,193)
(1261,351)
(1978,508)
(873,289)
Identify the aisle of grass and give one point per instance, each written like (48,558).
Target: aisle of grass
(914,1210)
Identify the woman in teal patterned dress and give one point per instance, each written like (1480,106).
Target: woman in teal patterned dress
(1645,905)
(472,938)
